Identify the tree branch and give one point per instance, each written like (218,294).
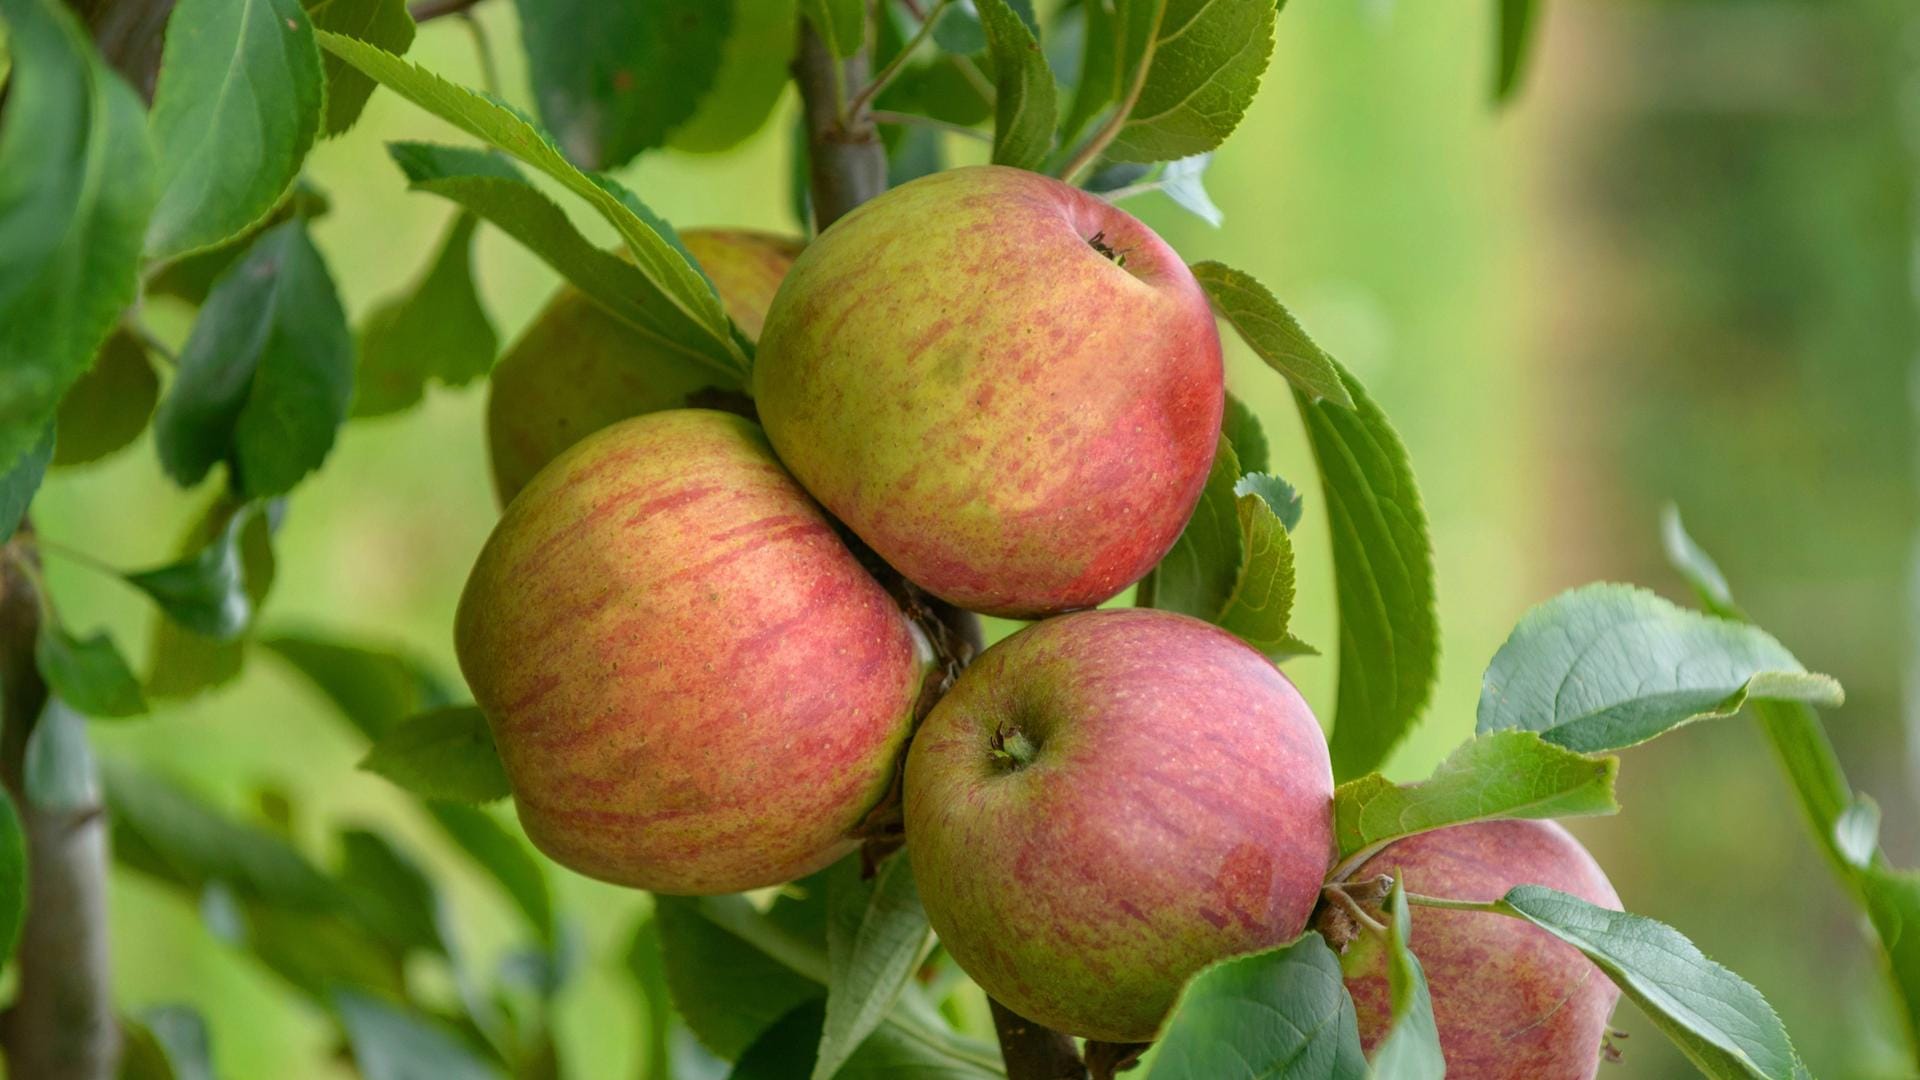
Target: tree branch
(1032,1051)
(61,1025)
(130,34)
(846,163)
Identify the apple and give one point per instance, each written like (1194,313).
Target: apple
(1510,999)
(1107,802)
(576,368)
(694,686)
(1010,389)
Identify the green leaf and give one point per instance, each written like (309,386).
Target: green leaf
(206,592)
(842,24)
(1099,83)
(1192,67)
(1260,606)
(445,753)
(1244,433)
(876,935)
(1410,1050)
(1184,181)
(1702,574)
(731,970)
(1281,497)
(505,859)
(1383,577)
(435,330)
(1196,576)
(753,74)
(648,965)
(374,690)
(88,674)
(1024,105)
(1273,335)
(662,262)
(192,277)
(384,23)
(1608,666)
(19,484)
(267,373)
(389,1044)
(1508,774)
(612,80)
(181,1034)
(389,894)
(316,953)
(59,775)
(1514,39)
(487,186)
(237,106)
(181,662)
(786,1049)
(76,185)
(163,831)
(108,407)
(1282,1014)
(1718,1020)
(13,876)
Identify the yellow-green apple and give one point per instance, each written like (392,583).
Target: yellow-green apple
(1010,389)
(694,686)
(576,368)
(1107,802)
(1512,1001)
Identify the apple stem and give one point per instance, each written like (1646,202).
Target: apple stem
(1352,907)
(872,90)
(1012,748)
(1033,1051)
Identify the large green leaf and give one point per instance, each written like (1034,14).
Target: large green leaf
(109,406)
(1410,1050)
(1716,1018)
(731,970)
(1607,666)
(1507,774)
(876,935)
(1190,68)
(1024,94)
(436,330)
(76,186)
(1270,330)
(664,264)
(237,106)
(612,80)
(266,376)
(1283,1014)
(445,753)
(486,185)
(385,23)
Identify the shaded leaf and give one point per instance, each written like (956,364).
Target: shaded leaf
(437,329)
(168,1042)
(88,673)
(1702,574)
(384,23)
(1191,68)
(389,1044)
(182,662)
(876,935)
(373,690)
(76,186)
(206,592)
(109,406)
(21,482)
(786,1049)
(237,105)
(1513,40)
(1271,332)
(1244,433)
(1283,1014)
(1607,666)
(1024,105)
(1197,574)
(445,753)
(1410,1050)
(1184,182)
(1281,497)
(191,277)
(648,965)
(842,24)
(1099,82)
(1856,835)
(504,857)
(753,74)
(389,893)
(732,971)
(267,373)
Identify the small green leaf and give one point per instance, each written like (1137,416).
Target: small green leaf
(663,263)
(876,935)
(206,592)
(389,1044)
(753,74)
(389,894)
(842,24)
(1281,497)
(237,106)
(435,330)
(1244,433)
(1282,1014)
(1514,39)
(1271,332)
(1608,666)
(20,483)
(1410,1050)
(182,662)
(1184,181)
(1191,68)
(374,690)
(1716,1018)
(1260,607)
(445,753)
(504,857)
(1196,576)
(1696,566)
(612,80)
(384,23)
(13,876)
(59,775)
(1024,105)
(1508,774)
(180,1033)
(1856,835)
(88,674)
(109,406)
(76,186)
(267,373)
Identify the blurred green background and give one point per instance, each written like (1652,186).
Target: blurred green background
(1681,267)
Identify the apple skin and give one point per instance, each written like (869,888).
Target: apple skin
(576,368)
(1177,810)
(1014,421)
(694,686)
(1512,1001)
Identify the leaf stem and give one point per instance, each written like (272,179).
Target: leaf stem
(894,66)
(483,45)
(1493,907)
(881,116)
(427,10)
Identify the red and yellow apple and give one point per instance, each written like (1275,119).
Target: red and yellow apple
(1512,1002)
(577,368)
(694,686)
(1009,388)
(1107,802)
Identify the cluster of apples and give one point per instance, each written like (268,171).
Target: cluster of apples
(1011,392)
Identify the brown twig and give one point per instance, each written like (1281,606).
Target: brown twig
(1033,1051)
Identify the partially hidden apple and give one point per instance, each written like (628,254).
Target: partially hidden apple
(1512,1002)
(694,686)
(1009,388)
(577,368)
(1107,802)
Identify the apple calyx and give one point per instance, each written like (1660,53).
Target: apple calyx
(1098,242)
(1011,749)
